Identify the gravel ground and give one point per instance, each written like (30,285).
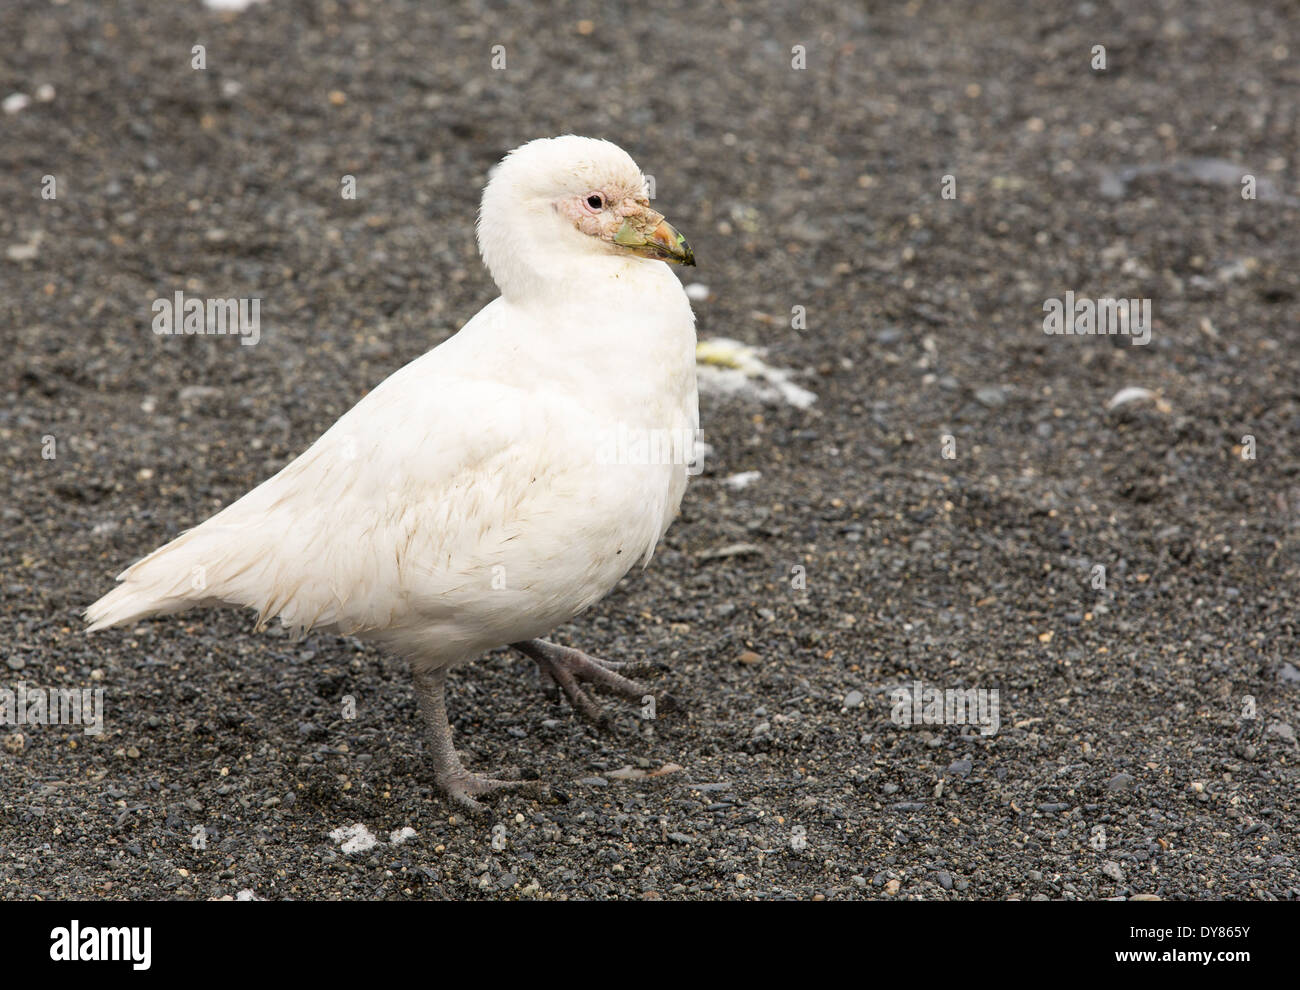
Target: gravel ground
(1125,764)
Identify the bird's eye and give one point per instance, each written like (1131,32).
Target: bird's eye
(595,201)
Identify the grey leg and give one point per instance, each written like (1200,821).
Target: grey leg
(459,784)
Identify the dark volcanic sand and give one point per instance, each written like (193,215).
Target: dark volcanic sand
(1120,708)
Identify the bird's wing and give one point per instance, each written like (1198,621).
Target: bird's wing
(420,478)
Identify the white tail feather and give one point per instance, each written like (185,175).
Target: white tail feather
(171,579)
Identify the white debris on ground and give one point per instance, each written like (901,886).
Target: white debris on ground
(1135,393)
(635,773)
(247,895)
(198,393)
(729,367)
(742,480)
(357,838)
(235,5)
(354,838)
(27,250)
(16,102)
(697,292)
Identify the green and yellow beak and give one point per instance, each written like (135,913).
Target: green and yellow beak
(649,235)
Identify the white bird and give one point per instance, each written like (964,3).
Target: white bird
(475,499)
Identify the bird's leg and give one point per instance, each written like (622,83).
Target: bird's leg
(566,667)
(459,784)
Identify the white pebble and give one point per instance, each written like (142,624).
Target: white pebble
(743,480)
(21,252)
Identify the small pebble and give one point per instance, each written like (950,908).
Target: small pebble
(1121,783)
(1284,730)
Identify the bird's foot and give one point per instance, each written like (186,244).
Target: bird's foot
(565,668)
(464,788)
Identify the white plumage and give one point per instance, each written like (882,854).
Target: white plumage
(463,504)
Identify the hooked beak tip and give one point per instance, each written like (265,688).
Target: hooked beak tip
(663,243)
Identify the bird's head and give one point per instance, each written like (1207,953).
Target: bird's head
(569,199)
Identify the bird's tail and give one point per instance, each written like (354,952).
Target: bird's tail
(173,578)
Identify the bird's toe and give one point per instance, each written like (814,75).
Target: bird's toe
(465,789)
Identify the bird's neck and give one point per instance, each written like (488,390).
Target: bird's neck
(559,280)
